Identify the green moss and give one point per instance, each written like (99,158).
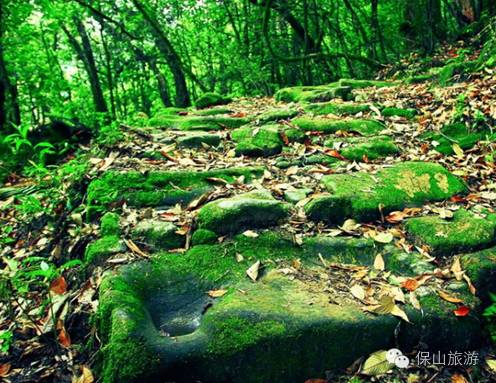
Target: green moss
(203,237)
(101,249)
(481,268)
(158,188)
(465,232)
(400,112)
(363,196)
(314,93)
(277,115)
(211,99)
(235,334)
(364,127)
(262,141)
(454,133)
(213,111)
(293,134)
(420,78)
(359,84)
(357,148)
(109,225)
(447,73)
(198,139)
(245,211)
(337,108)
(159,235)
(196,122)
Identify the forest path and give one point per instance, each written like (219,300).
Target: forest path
(287,238)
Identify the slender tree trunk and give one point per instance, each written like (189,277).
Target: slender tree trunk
(161,83)
(108,69)
(170,54)
(376,29)
(96,87)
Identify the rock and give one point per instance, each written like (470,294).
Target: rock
(257,209)
(314,159)
(158,235)
(261,141)
(159,188)
(464,232)
(157,322)
(325,125)
(296,195)
(455,134)
(211,99)
(196,122)
(322,108)
(203,237)
(357,148)
(276,115)
(399,112)
(213,111)
(196,139)
(364,196)
(101,249)
(110,225)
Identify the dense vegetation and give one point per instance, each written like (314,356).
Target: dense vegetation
(111,110)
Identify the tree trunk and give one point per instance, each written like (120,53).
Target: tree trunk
(96,87)
(169,53)
(161,83)
(423,26)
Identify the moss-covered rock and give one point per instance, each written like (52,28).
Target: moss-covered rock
(365,196)
(313,93)
(158,188)
(276,329)
(322,108)
(296,195)
(158,235)
(211,99)
(449,135)
(325,125)
(256,209)
(198,139)
(464,232)
(101,249)
(277,115)
(203,237)
(110,225)
(261,141)
(213,111)
(313,159)
(358,148)
(196,122)
(399,112)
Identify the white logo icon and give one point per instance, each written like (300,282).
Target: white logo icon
(396,357)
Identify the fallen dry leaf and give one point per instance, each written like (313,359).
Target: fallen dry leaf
(358,292)
(252,271)
(5,369)
(86,376)
(458,378)
(379,263)
(217,293)
(58,286)
(462,311)
(449,298)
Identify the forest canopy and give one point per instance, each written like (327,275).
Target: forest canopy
(66,60)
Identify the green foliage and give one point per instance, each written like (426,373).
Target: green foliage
(490,314)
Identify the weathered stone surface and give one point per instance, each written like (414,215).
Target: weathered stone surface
(277,115)
(211,99)
(196,122)
(464,232)
(98,251)
(337,108)
(455,134)
(158,235)
(260,141)
(197,139)
(157,322)
(323,159)
(326,125)
(364,196)
(158,188)
(399,112)
(358,148)
(257,209)
(296,195)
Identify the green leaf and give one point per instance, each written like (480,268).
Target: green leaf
(377,364)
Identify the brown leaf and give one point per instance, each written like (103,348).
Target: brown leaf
(64,338)
(379,263)
(135,249)
(217,293)
(86,376)
(4,370)
(335,154)
(252,272)
(58,285)
(410,284)
(457,378)
(449,298)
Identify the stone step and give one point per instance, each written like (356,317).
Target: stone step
(158,188)
(365,196)
(297,320)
